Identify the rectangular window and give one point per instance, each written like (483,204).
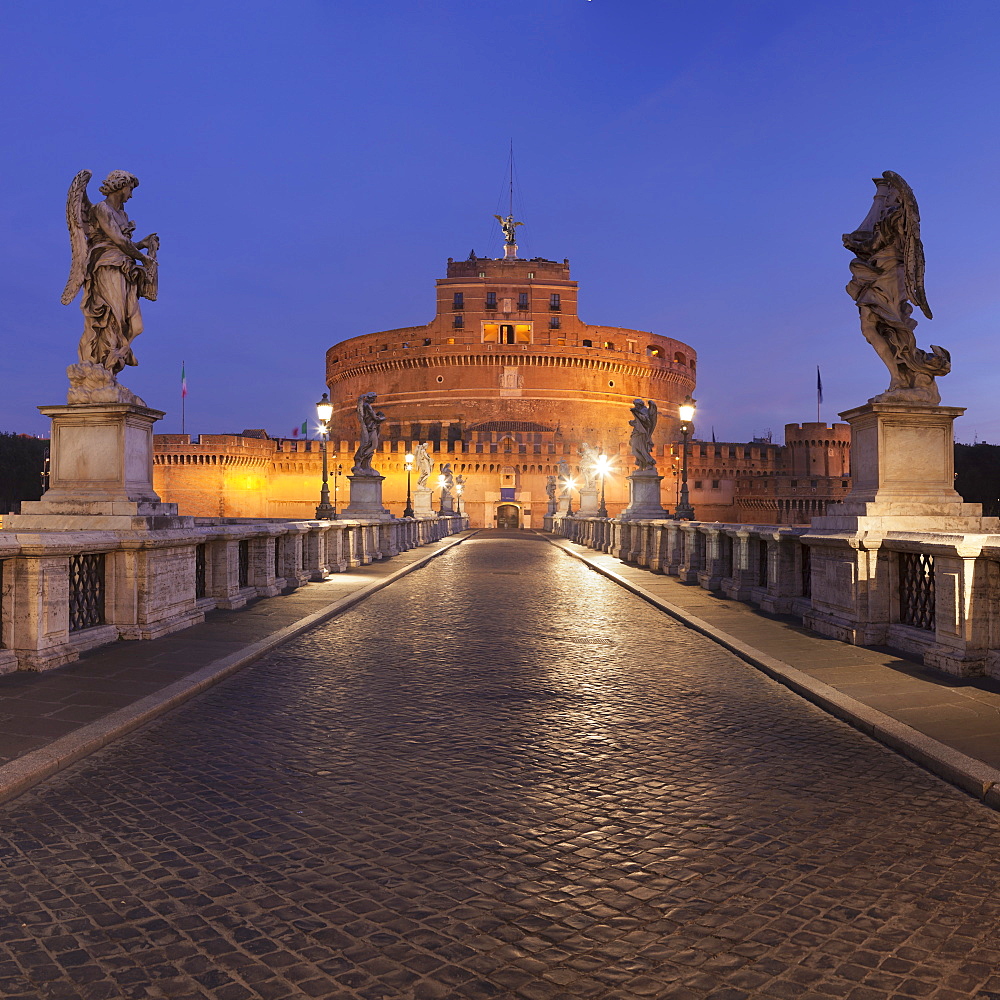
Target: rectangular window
(555,302)
(458,300)
(715,484)
(554,323)
(427,341)
(450,340)
(697,484)
(631,346)
(522,300)
(587,343)
(491,300)
(560,342)
(458,322)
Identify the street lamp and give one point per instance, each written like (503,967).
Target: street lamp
(408,509)
(324,410)
(685,512)
(603,467)
(458,496)
(338,470)
(568,484)
(442,483)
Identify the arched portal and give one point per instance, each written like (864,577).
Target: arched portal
(508,516)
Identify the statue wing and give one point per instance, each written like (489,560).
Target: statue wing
(499,219)
(77,209)
(913,249)
(652,415)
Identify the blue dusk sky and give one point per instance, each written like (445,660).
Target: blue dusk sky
(310,165)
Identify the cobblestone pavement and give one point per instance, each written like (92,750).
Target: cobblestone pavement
(501,777)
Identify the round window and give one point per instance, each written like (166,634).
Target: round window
(611,382)
(440,378)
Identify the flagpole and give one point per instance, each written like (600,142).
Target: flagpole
(183,397)
(819,394)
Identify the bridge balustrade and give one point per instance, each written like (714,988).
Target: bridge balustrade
(65,592)
(935,596)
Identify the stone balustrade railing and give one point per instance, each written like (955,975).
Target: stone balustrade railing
(935,596)
(65,592)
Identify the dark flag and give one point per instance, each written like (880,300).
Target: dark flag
(819,394)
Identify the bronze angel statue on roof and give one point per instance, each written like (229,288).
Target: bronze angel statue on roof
(112,270)
(887,274)
(509,227)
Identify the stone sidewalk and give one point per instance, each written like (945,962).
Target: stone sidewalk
(947,724)
(49,720)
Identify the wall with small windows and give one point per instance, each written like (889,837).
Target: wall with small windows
(493,316)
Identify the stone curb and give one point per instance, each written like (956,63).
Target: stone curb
(31,768)
(971,775)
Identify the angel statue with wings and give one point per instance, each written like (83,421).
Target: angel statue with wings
(509,227)
(112,270)
(641,439)
(887,273)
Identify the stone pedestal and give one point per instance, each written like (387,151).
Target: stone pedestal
(100,472)
(551,508)
(588,503)
(562,504)
(902,499)
(644,497)
(423,502)
(447,504)
(366,499)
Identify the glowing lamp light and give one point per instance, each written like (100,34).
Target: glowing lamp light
(409,462)
(603,465)
(686,410)
(324,409)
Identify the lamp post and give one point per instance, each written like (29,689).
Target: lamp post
(603,468)
(685,512)
(408,509)
(324,410)
(458,497)
(568,485)
(338,470)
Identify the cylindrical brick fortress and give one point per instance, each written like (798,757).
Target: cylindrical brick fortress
(506,344)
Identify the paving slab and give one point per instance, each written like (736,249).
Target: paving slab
(948,724)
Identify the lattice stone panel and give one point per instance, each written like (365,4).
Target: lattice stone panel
(726,547)
(86,591)
(761,563)
(199,570)
(806,571)
(916,590)
(244,577)
(277,558)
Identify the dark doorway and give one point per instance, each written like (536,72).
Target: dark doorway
(508,517)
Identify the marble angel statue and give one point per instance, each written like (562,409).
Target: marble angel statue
(112,270)
(887,274)
(641,439)
(422,460)
(370,420)
(588,466)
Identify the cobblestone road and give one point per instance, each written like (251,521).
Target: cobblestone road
(501,777)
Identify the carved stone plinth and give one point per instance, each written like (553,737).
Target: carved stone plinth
(588,502)
(366,499)
(447,504)
(902,464)
(644,497)
(100,472)
(423,505)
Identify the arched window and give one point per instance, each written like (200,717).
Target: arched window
(679,358)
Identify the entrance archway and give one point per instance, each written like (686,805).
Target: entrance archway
(508,516)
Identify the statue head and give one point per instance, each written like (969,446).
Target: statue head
(117,180)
